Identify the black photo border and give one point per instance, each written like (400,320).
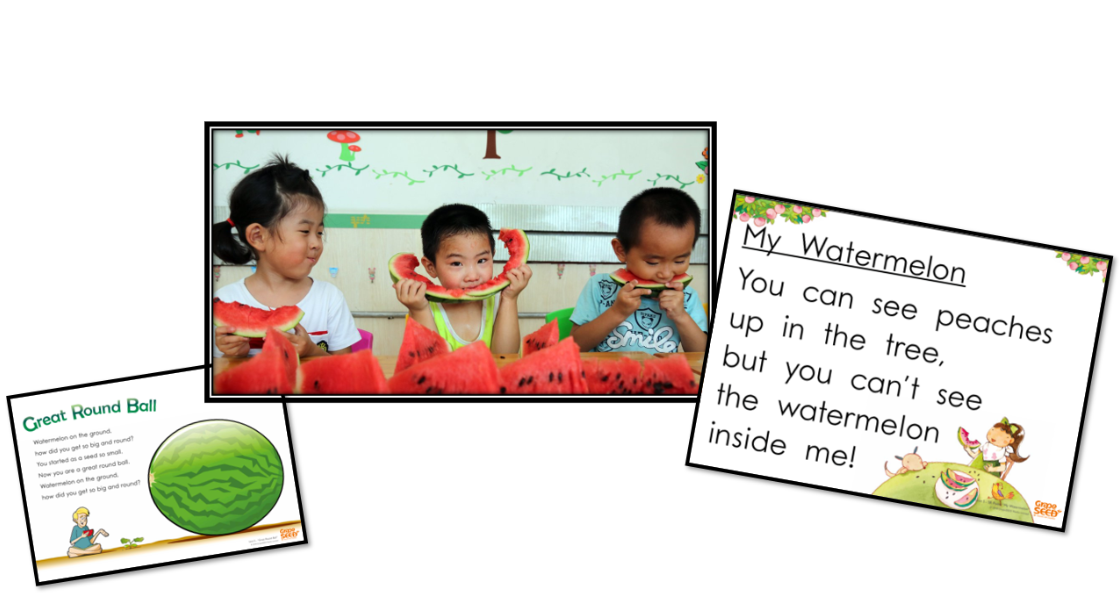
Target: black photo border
(212,126)
(714,302)
(27,512)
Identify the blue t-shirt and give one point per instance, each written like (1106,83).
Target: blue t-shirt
(648,329)
(84,542)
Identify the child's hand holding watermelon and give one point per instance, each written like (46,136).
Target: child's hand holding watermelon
(671,301)
(230,344)
(410,293)
(305,346)
(629,299)
(518,280)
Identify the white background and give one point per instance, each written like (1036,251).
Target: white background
(128,512)
(927,112)
(1039,386)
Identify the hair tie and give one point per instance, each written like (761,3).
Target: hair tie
(230,222)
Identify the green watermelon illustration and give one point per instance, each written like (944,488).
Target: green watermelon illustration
(216,477)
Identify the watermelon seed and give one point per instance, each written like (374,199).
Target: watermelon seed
(422,378)
(604,378)
(549,376)
(560,377)
(658,388)
(316,384)
(503,389)
(521,382)
(412,353)
(618,376)
(530,380)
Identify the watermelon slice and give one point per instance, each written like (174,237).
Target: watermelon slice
(968,500)
(623,276)
(670,375)
(961,478)
(403,266)
(951,482)
(354,373)
(553,370)
(548,335)
(420,344)
(272,372)
(252,322)
(468,370)
(623,376)
(962,437)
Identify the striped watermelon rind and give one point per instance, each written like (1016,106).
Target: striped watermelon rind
(623,276)
(216,477)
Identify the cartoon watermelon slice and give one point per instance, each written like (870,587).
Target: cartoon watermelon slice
(962,437)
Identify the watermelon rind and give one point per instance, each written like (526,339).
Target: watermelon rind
(623,276)
(971,497)
(403,265)
(225,316)
(216,477)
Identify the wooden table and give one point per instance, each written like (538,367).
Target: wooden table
(389,363)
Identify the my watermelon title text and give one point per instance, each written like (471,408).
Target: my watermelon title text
(77,411)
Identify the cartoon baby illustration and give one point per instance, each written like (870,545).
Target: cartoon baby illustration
(83,541)
(607,290)
(1002,449)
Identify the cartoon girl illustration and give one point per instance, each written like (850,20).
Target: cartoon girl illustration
(1001,450)
(83,541)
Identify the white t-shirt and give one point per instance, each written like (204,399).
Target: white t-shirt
(994,452)
(326,317)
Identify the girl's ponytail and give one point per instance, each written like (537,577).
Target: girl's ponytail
(1018,434)
(228,248)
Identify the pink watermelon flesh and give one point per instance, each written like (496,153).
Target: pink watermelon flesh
(354,373)
(670,375)
(548,335)
(623,276)
(272,372)
(623,376)
(403,266)
(553,370)
(468,370)
(252,322)
(420,344)
(961,477)
(962,437)
(968,498)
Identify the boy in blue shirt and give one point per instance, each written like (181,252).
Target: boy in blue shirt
(657,231)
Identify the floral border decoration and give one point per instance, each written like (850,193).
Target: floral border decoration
(1084,264)
(767,211)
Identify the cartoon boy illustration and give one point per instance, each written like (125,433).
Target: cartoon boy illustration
(83,541)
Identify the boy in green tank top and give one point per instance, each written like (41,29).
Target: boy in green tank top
(459,251)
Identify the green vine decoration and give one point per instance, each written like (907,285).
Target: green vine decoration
(668,177)
(1084,264)
(411,181)
(339,167)
(503,171)
(445,168)
(579,174)
(767,211)
(238,164)
(606,177)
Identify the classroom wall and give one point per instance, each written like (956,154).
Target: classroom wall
(413,172)
(355,251)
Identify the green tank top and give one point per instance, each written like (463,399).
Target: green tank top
(443,326)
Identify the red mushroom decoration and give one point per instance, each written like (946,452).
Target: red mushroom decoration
(354,148)
(345,138)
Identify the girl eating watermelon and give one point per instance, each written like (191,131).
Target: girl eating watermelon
(1001,450)
(276,218)
(459,250)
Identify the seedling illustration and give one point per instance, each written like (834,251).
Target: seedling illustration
(130,543)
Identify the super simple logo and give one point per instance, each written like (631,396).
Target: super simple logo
(1046,510)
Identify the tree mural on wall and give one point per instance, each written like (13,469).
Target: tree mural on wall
(492,145)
